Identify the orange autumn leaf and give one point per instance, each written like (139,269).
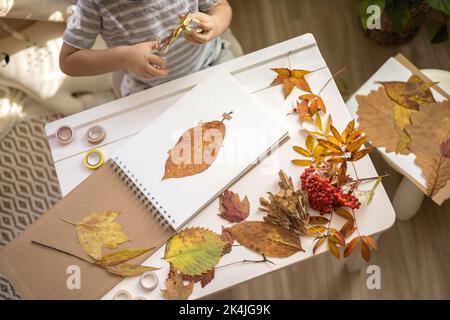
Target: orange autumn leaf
(175,287)
(348,228)
(228,238)
(355,156)
(365,251)
(196,149)
(351,246)
(204,278)
(290,79)
(318,220)
(232,208)
(302,162)
(318,243)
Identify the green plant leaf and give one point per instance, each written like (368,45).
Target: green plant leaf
(441,5)
(438,31)
(399,13)
(364,4)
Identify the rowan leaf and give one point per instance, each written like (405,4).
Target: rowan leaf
(183,159)
(372,191)
(370,242)
(318,220)
(290,79)
(309,105)
(302,151)
(316,231)
(337,238)
(355,145)
(175,287)
(333,248)
(231,207)
(348,228)
(355,156)
(365,251)
(430,132)
(266,238)
(98,231)
(319,122)
(310,142)
(348,130)
(343,213)
(342,174)
(329,146)
(336,134)
(318,243)
(411,94)
(128,269)
(351,246)
(302,163)
(194,251)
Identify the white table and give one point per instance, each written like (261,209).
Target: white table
(125,117)
(412,189)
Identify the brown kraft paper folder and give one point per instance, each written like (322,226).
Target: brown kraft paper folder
(41,273)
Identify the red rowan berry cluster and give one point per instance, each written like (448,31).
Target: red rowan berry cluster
(322,195)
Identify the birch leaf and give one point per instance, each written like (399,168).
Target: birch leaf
(232,208)
(290,79)
(266,238)
(194,251)
(196,149)
(429,129)
(97,231)
(175,287)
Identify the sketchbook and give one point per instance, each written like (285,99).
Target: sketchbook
(160,179)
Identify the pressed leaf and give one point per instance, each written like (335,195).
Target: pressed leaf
(302,151)
(186,158)
(120,256)
(355,156)
(128,270)
(175,287)
(266,238)
(290,79)
(365,251)
(342,174)
(194,251)
(304,114)
(429,129)
(329,145)
(302,163)
(351,246)
(318,243)
(411,94)
(227,236)
(204,278)
(97,231)
(376,111)
(232,208)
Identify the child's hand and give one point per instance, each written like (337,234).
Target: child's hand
(209,25)
(140,60)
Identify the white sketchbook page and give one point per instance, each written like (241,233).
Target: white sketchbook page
(249,134)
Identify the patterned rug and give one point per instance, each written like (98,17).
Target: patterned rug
(28,183)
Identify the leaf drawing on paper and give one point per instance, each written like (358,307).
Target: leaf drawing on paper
(290,79)
(376,111)
(196,149)
(232,208)
(430,134)
(194,251)
(266,238)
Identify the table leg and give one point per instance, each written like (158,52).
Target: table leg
(407,200)
(355,263)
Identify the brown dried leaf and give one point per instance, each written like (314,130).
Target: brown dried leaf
(365,251)
(411,94)
(370,242)
(227,236)
(266,238)
(290,79)
(128,269)
(318,220)
(348,228)
(351,246)
(175,288)
(232,208)
(204,278)
(186,158)
(343,213)
(429,129)
(376,111)
(342,174)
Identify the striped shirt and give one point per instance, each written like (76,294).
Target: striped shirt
(127,22)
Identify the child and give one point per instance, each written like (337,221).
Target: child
(130,29)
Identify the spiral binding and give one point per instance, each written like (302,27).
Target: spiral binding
(144,196)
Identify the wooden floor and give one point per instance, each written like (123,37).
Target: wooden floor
(414,256)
